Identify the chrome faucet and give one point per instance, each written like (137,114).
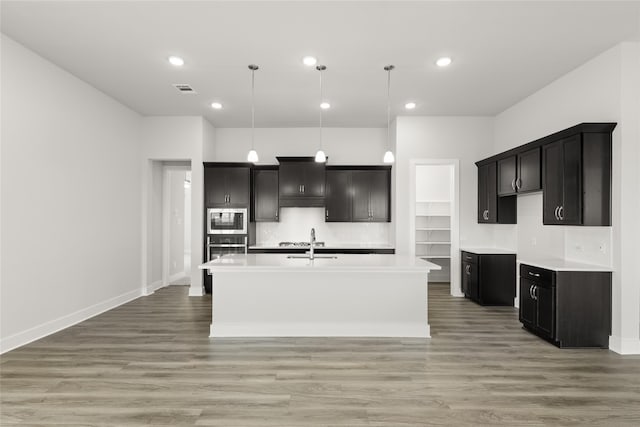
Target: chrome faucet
(312,243)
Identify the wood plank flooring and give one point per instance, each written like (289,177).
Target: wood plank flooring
(150,362)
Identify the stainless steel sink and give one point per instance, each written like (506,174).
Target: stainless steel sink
(314,257)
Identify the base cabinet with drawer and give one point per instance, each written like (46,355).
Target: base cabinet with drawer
(489,279)
(566,308)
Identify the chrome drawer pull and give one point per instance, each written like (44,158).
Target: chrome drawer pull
(534,274)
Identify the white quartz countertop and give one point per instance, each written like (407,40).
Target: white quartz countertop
(558,264)
(326,246)
(487,251)
(342,262)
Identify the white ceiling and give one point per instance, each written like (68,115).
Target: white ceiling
(502,52)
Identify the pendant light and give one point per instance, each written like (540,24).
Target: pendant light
(320,156)
(388,155)
(253,154)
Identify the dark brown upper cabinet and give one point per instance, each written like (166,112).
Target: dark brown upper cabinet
(227,185)
(572,167)
(264,200)
(301,182)
(577,180)
(520,173)
(358,194)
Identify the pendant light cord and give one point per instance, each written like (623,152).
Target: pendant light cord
(321,68)
(389,68)
(253,107)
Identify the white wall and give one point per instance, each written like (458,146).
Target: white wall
(433,182)
(174,139)
(468,139)
(361,146)
(70,200)
(607,88)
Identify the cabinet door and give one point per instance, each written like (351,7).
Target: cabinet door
(492,194)
(238,185)
(466,278)
(528,308)
(215,187)
(314,179)
(379,186)
(482,193)
(571,207)
(529,171)
(361,196)
(291,179)
(545,299)
(338,196)
(473,283)
(552,181)
(507,176)
(265,195)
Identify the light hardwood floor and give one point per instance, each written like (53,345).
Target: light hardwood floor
(150,362)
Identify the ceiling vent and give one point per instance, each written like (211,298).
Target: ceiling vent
(184,88)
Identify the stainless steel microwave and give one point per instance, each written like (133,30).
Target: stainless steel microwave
(226,221)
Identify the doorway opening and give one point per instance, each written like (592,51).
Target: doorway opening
(435,218)
(168,257)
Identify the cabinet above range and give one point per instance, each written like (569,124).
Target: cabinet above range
(301,182)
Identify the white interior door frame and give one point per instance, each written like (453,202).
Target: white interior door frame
(455,285)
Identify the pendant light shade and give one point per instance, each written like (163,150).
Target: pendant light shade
(253,154)
(388,155)
(320,156)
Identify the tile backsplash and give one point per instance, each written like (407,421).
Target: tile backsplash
(296,223)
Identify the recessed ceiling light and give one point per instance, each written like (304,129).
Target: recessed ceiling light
(176,61)
(443,62)
(325,105)
(309,61)
(410,105)
(216,105)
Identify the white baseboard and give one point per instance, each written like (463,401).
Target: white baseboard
(25,337)
(149,289)
(624,345)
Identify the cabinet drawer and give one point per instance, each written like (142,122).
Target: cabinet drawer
(537,274)
(469,257)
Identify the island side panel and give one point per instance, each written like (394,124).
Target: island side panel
(317,303)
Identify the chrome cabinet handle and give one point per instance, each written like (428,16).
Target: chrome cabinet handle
(556,213)
(561,213)
(327,214)
(276,214)
(485,214)
(513,184)
(468,257)
(535,292)
(531,292)
(467,269)
(518,184)
(534,274)
(302,188)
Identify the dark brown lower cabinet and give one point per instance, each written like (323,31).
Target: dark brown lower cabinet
(489,279)
(566,308)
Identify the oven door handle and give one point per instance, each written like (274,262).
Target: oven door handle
(226,245)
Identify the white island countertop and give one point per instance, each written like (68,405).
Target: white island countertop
(558,264)
(341,262)
(333,246)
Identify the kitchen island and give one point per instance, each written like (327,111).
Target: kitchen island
(279,295)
